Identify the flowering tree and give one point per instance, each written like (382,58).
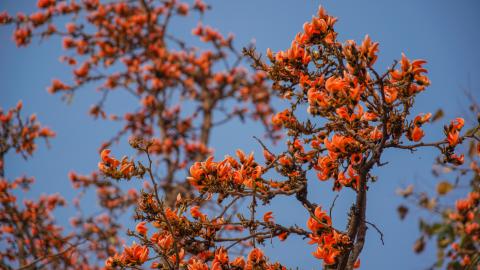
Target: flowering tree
(197,211)
(30,232)
(183,93)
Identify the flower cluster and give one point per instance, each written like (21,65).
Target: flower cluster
(227,174)
(20,134)
(28,229)
(110,166)
(330,242)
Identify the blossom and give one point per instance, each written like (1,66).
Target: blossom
(417,134)
(256,256)
(321,220)
(163,240)
(327,254)
(197,265)
(453,137)
(268,217)
(458,123)
(221,256)
(391,94)
(22,36)
(45,3)
(195,212)
(141,228)
(136,254)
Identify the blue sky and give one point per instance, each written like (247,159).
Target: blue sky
(445,33)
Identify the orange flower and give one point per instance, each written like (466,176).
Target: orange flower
(408,69)
(391,94)
(127,169)
(57,85)
(453,138)
(285,161)
(135,254)
(240,177)
(331,256)
(197,265)
(282,118)
(195,212)
(463,204)
(183,9)
(216,266)
(337,144)
(324,165)
(466,261)
(196,171)
(224,170)
(422,118)
(457,160)
(343,113)
(256,256)
(458,123)
(369,50)
(334,84)
(417,134)
(163,240)
(22,36)
(38,18)
(221,256)
(45,3)
(71,27)
(472,227)
(269,54)
(102,167)
(238,262)
(328,255)
(198,30)
(196,174)
(111,262)
(321,216)
(108,164)
(355,178)
(369,116)
(171,214)
(105,156)
(375,134)
(316,98)
(141,228)
(83,70)
(46,132)
(283,236)
(268,217)
(181,255)
(343,180)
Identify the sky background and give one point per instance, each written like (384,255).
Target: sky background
(445,33)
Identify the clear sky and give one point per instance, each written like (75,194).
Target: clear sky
(445,33)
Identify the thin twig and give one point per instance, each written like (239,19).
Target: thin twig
(378,230)
(333,205)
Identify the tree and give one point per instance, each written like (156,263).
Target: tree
(184,93)
(197,212)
